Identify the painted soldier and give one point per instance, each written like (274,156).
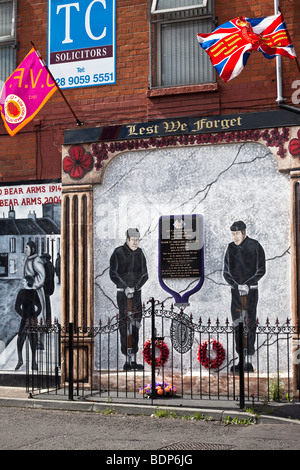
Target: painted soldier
(244,266)
(48,284)
(33,266)
(28,306)
(128,271)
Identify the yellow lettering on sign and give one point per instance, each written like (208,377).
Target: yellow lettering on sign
(149,130)
(216,124)
(131,130)
(174,126)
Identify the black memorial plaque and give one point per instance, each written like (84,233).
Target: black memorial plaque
(181,243)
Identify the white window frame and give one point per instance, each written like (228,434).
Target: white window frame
(156,11)
(12,266)
(11,38)
(8,45)
(12,245)
(158,21)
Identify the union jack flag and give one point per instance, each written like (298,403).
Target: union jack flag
(230,45)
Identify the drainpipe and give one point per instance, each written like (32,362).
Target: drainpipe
(279,99)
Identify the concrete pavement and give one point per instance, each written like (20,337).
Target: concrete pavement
(214,409)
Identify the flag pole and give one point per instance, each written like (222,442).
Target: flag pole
(298,65)
(278,60)
(79,123)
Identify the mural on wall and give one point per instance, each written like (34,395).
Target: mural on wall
(128,271)
(224,183)
(29,267)
(244,266)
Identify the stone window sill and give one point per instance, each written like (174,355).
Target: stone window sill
(181,90)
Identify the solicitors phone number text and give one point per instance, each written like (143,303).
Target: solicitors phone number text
(100,78)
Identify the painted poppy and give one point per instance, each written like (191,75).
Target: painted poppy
(294,146)
(78,162)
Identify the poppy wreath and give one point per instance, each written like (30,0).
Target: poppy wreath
(204,358)
(164,352)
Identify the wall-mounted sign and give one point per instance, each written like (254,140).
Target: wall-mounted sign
(81,42)
(181,252)
(183,126)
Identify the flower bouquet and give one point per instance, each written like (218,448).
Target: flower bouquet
(165,389)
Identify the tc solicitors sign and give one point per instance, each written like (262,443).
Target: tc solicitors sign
(81,42)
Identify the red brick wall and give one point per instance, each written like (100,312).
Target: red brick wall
(35,153)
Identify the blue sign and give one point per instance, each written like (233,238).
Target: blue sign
(81,42)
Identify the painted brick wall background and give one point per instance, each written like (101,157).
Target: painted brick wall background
(35,153)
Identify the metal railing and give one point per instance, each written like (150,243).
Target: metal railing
(190,360)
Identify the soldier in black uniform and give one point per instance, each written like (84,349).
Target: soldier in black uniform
(48,284)
(28,306)
(244,266)
(128,270)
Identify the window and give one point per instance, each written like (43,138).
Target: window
(43,245)
(176,57)
(3,264)
(37,244)
(166,6)
(12,245)
(8,12)
(12,266)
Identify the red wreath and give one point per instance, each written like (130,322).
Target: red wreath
(164,352)
(204,358)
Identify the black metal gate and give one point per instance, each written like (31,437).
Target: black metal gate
(189,361)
